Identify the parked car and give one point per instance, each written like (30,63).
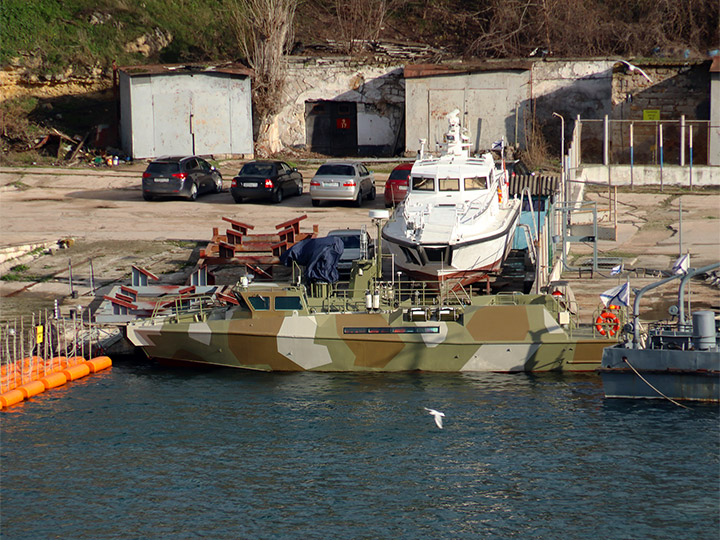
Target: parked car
(342,181)
(180,176)
(272,180)
(396,187)
(357,244)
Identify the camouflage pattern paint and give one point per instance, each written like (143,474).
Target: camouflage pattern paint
(491,333)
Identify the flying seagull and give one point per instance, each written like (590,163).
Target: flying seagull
(632,68)
(438,416)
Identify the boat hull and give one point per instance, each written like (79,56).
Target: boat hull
(688,375)
(467,259)
(507,338)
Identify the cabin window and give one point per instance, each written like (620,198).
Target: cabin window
(421,183)
(475,183)
(259,303)
(288,303)
(449,184)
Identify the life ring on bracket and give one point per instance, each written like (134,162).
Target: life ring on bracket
(607,324)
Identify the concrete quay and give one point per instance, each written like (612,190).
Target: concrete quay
(113,228)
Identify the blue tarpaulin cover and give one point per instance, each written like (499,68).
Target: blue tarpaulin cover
(319,256)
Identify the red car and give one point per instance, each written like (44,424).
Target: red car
(396,187)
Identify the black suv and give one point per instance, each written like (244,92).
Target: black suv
(180,176)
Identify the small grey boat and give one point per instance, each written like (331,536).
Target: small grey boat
(676,361)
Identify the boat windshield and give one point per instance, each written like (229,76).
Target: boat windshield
(449,184)
(423,183)
(475,183)
(288,303)
(259,303)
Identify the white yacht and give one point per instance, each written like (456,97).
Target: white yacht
(457,222)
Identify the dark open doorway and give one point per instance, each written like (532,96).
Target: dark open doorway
(331,127)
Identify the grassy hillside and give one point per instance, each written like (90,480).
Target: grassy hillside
(47,36)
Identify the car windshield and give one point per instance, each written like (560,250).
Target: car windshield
(351,241)
(256,169)
(399,174)
(335,170)
(160,167)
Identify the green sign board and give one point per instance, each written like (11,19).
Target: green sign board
(651,114)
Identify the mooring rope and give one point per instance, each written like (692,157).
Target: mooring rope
(651,386)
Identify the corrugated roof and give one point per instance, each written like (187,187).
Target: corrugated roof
(229,68)
(432,70)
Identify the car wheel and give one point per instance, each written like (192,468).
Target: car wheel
(388,205)
(193,192)
(358,200)
(300,189)
(147,197)
(277,196)
(238,200)
(315,202)
(218,185)
(372,194)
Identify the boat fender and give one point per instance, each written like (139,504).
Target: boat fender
(368,300)
(376,300)
(499,194)
(607,324)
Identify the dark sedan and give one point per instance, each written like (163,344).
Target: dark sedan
(180,176)
(272,180)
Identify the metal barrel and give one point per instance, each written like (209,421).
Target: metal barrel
(704,335)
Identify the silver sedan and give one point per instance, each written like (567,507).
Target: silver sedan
(342,181)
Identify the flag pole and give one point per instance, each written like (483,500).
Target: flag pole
(680,225)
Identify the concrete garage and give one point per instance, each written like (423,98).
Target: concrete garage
(182,109)
(493,99)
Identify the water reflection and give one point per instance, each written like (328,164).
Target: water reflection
(152,452)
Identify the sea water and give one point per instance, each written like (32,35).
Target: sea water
(144,452)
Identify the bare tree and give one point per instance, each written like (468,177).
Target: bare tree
(264,30)
(362,20)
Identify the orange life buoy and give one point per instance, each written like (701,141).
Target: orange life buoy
(607,324)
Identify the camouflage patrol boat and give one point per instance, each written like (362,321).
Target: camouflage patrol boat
(371,325)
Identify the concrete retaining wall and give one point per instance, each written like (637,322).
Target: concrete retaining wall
(650,175)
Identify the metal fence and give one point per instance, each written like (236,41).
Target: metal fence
(642,142)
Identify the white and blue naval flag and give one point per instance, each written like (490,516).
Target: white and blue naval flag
(499,144)
(616,270)
(617,296)
(682,265)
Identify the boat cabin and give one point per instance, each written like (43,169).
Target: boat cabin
(270,301)
(438,185)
